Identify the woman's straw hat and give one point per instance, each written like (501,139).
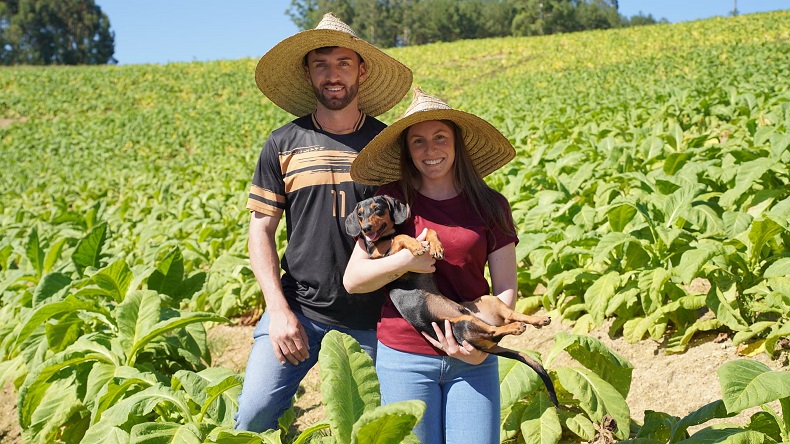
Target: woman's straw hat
(280,72)
(379,162)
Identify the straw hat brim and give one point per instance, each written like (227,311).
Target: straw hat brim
(379,162)
(281,77)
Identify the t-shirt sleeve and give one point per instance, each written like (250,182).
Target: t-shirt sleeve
(501,238)
(267,193)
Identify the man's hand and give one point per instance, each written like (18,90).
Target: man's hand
(288,337)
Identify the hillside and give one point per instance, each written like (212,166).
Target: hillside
(651,191)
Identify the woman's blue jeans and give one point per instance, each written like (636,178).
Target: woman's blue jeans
(270,385)
(462,399)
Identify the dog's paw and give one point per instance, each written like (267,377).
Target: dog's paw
(546,320)
(437,251)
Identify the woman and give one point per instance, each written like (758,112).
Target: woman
(443,155)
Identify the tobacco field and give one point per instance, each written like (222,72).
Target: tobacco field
(647,158)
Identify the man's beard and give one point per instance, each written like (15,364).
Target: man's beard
(336,103)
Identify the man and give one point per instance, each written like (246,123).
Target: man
(334,83)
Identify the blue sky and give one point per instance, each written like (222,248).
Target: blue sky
(162,31)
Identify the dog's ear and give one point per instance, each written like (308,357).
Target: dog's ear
(352,223)
(400,211)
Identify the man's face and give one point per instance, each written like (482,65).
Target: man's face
(335,75)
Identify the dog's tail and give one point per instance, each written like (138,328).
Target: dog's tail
(533,364)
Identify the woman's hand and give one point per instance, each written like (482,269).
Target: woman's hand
(446,342)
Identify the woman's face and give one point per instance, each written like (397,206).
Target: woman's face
(431,146)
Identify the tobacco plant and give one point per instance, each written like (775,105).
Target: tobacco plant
(744,384)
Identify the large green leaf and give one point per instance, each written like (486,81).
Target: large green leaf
(651,286)
(388,424)
(749,173)
(619,216)
(596,397)
(169,275)
(53,254)
(715,409)
(38,382)
(516,380)
(89,248)
(597,297)
(746,383)
(53,310)
(540,423)
(228,435)
(727,435)
(165,433)
(761,232)
(349,386)
(48,418)
(579,424)
(678,343)
(597,357)
(606,246)
(206,387)
(167,326)
(780,268)
(657,426)
(129,411)
(736,222)
(111,383)
(136,316)
(692,261)
(114,279)
(675,162)
(51,284)
(34,252)
(723,302)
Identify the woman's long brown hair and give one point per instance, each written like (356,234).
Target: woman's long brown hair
(484,199)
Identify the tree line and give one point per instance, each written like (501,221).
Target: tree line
(54,32)
(388,23)
(76,32)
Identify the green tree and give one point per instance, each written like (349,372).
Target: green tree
(54,32)
(307,13)
(641,19)
(378,21)
(598,14)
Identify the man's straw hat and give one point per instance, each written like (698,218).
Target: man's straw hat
(280,72)
(379,162)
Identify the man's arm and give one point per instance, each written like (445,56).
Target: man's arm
(286,333)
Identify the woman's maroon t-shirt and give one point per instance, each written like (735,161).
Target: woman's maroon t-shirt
(460,275)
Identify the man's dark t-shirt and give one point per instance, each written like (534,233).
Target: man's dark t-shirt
(305,172)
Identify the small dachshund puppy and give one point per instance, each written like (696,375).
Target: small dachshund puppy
(482,322)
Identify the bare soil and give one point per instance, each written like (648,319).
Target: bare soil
(676,384)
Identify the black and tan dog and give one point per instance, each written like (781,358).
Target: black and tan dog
(482,322)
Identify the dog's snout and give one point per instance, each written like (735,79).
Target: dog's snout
(366,228)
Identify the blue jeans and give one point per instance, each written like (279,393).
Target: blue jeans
(462,399)
(269,385)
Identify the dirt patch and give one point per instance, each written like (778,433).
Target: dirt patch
(10,433)
(676,384)
(5,123)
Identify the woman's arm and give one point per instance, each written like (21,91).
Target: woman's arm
(504,274)
(364,274)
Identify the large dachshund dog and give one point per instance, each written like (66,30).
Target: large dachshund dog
(482,322)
